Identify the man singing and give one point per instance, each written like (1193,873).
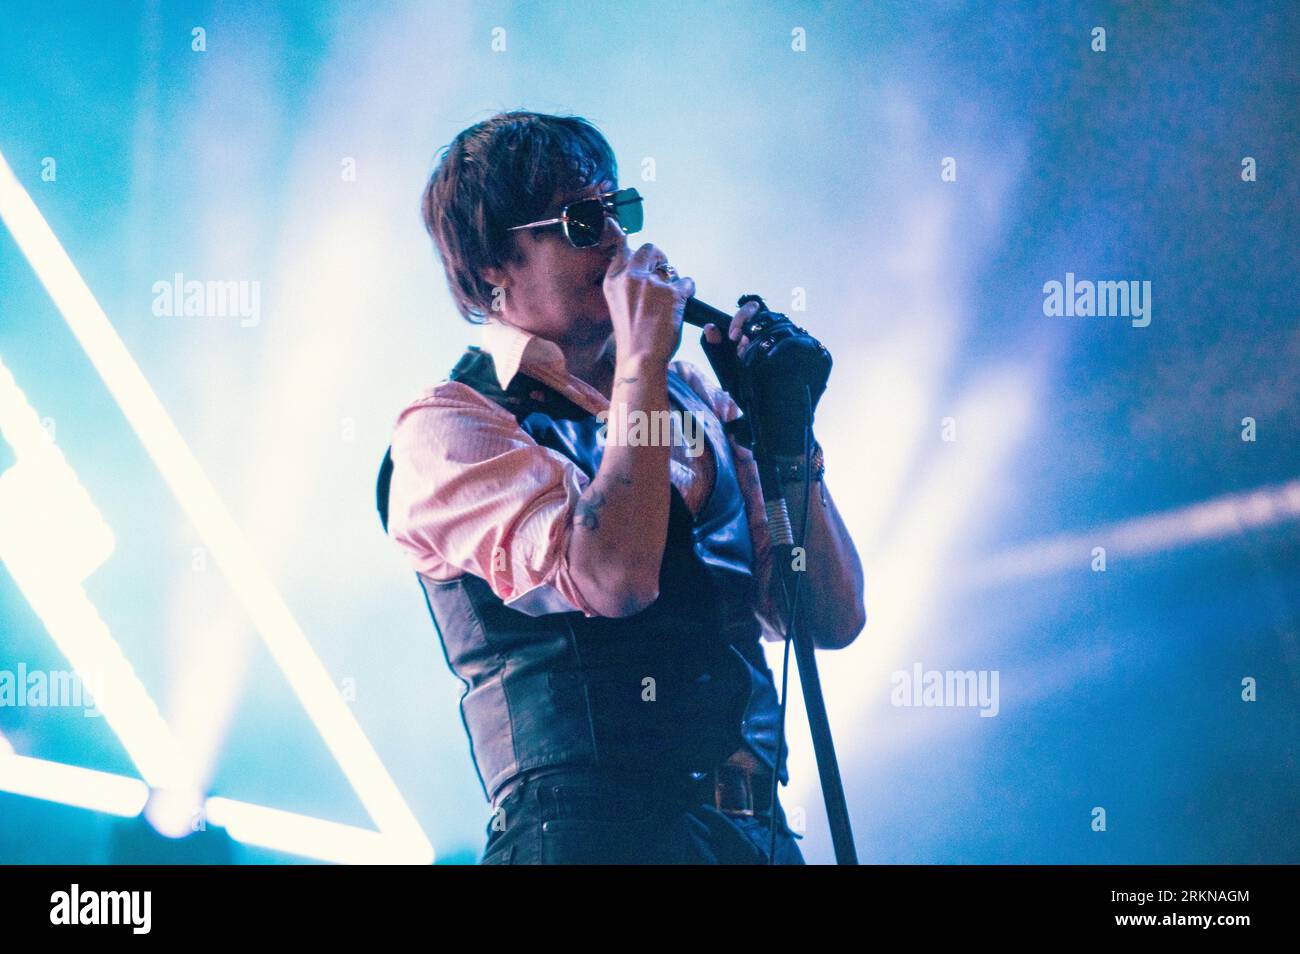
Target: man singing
(601,593)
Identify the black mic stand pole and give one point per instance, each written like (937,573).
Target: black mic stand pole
(726,366)
(783,547)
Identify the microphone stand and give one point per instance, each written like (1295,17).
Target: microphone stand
(726,365)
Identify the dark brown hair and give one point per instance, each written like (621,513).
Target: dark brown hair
(501,172)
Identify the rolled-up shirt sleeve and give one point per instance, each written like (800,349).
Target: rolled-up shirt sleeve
(471,492)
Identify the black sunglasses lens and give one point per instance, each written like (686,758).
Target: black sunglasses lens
(586,222)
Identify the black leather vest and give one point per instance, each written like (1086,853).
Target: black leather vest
(675,688)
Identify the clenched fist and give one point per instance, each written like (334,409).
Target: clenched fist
(645,307)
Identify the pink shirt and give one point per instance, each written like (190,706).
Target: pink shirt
(473,493)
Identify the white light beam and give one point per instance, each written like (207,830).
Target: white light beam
(196,495)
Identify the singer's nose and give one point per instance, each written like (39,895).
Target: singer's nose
(613,235)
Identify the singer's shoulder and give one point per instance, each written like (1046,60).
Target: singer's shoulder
(702,383)
(452,403)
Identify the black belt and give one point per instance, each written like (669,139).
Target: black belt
(737,787)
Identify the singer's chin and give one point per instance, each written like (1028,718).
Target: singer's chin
(597,318)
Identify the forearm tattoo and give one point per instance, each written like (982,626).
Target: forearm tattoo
(587,512)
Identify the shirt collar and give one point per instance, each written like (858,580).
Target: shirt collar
(515,351)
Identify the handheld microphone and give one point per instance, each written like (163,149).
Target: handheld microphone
(699,314)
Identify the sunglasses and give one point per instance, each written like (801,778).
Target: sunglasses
(584,221)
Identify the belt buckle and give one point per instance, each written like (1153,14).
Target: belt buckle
(733,791)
